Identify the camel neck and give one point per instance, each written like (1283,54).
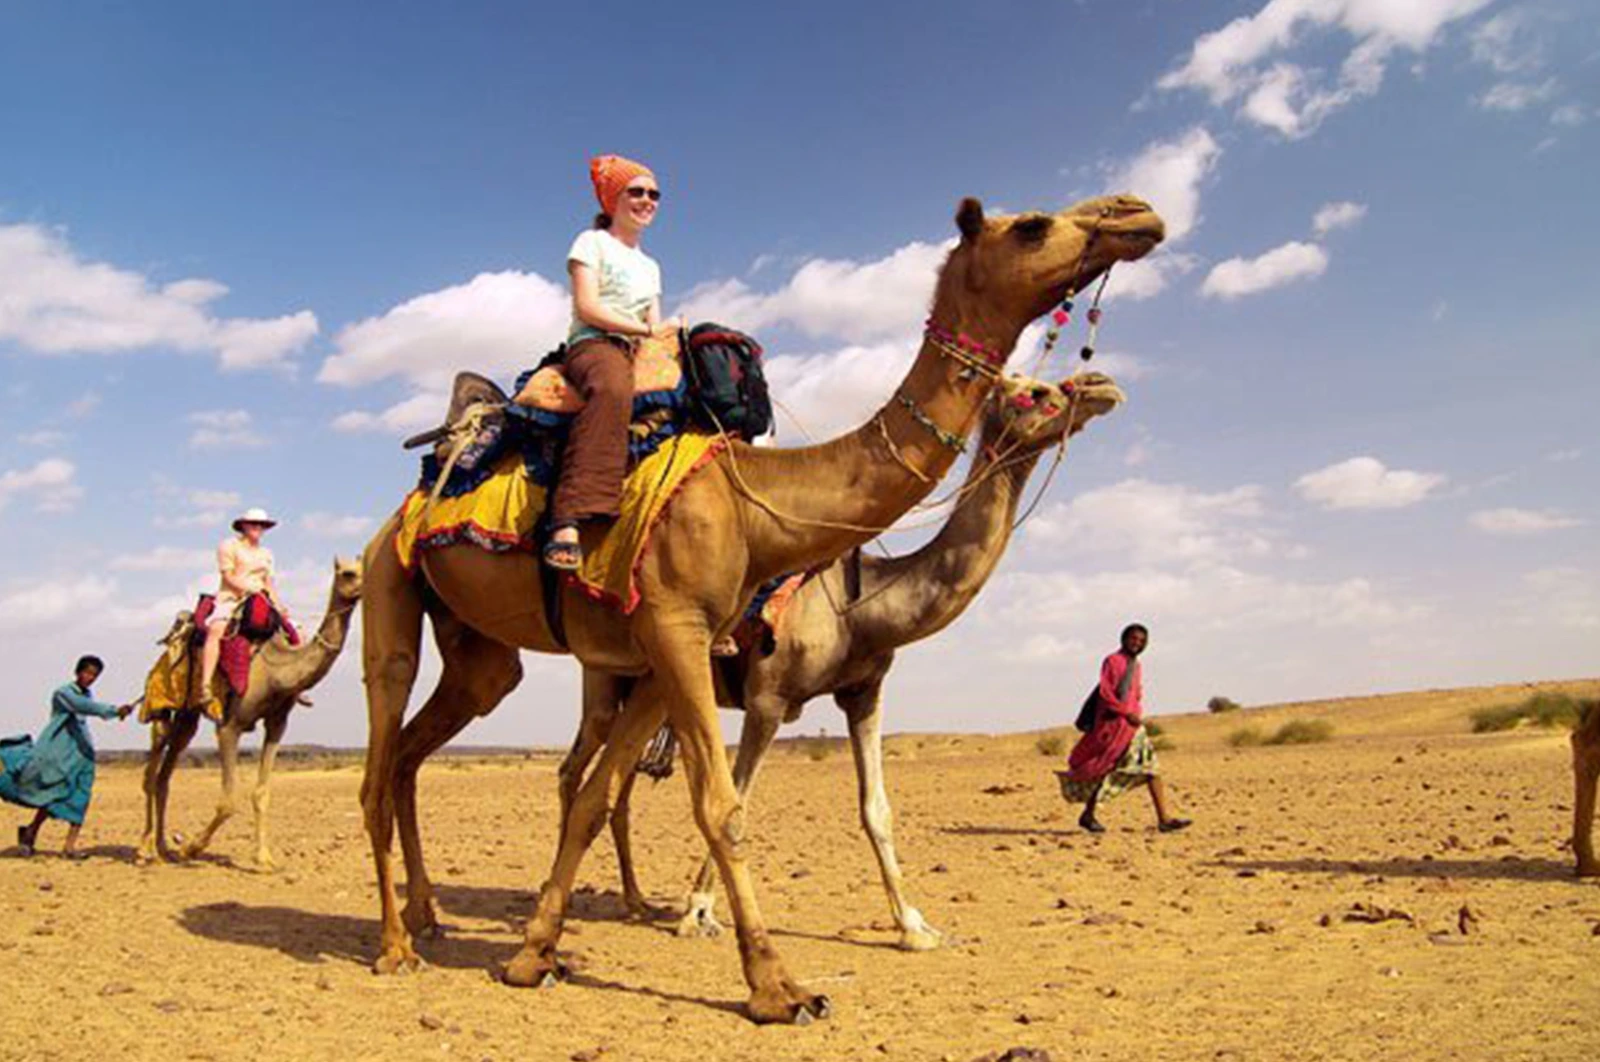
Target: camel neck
(905,599)
(811,504)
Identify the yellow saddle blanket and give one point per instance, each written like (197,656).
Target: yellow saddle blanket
(501,515)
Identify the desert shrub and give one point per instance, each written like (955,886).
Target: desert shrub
(817,749)
(1553,709)
(1246,737)
(1217,705)
(1162,744)
(1496,718)
(1546,708)
(1051,744)
(1153,728)
(1302,732)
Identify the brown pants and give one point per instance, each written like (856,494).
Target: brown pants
(596,457)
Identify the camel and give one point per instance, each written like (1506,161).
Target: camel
(752,514)
(840,632)
(280,676)
(1585,776)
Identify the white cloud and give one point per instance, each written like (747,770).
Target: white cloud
(1562,597)
(1509,521)
(200,508)
(1516,95)
(1157,523)
(1340,215)
(1571,453)
(1168,174)
(1243,60)
(84,404)
(1501,42)
(1569,115)
(50,603)
(330,525)
(44,438)
(165,559)
(423,410)
(1238,277)
(858,302)
(59,303)
(1366,483)
(494,323)
(51,482)
(217,429)
(821,395)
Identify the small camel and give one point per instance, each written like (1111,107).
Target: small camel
(840,639)
(752,514)
(1585,777)
(280,675)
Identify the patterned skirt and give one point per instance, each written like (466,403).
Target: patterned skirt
(1136,767)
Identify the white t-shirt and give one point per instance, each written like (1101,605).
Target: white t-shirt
(629,279)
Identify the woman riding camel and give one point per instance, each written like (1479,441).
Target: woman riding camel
(245,566)
(616,301)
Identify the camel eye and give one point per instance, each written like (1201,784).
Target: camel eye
(1032,229)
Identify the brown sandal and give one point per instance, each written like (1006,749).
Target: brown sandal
(563,556)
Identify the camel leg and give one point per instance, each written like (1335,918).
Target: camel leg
(601,703)
(1586,778)
(761,722)
(227,805)
(632,895)
(477,675)
(536,963)
(261,798)
(391,626)
(160,731)
(861,708)
(679,648)
(184,725)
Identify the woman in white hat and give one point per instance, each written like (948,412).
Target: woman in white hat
(246,568)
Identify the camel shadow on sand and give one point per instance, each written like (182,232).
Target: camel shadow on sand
(513,907)
(316,937)
(1502,869)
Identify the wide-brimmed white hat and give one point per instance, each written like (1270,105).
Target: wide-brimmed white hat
(253,516)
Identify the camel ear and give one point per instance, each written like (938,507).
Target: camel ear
(969,218)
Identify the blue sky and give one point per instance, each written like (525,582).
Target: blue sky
(241,251)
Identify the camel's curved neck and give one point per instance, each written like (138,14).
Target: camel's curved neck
(905,599)
(811,504)
(303,666)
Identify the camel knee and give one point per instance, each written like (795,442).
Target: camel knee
(395,670)
(877,818)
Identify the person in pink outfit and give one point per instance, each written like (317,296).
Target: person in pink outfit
(1116,754)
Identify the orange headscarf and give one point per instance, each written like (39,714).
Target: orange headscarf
(611,174)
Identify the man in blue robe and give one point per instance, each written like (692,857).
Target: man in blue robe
(56,773)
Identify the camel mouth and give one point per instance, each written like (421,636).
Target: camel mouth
(1094,387)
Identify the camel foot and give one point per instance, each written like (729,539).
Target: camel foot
(916,934)
(264,863)
(534,968)
(788,1005)
(698,920)
(1589,869)
(641,911)
(421,920)
(397,959)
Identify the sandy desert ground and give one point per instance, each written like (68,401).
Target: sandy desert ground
(1229,941)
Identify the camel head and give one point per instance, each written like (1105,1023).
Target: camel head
(347,579)
(1017,267)
(1027,415)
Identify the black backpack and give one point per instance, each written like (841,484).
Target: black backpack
(727,386)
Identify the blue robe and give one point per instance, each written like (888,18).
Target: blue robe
(56,772)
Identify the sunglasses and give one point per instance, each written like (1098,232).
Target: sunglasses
(652,194)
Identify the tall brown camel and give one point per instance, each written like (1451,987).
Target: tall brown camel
(752,514)
(280,674)
(840,632)
(1585,777)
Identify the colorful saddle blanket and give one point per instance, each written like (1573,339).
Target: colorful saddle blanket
(499,506)
(657,371)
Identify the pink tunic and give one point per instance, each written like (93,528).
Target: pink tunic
(1116,722)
